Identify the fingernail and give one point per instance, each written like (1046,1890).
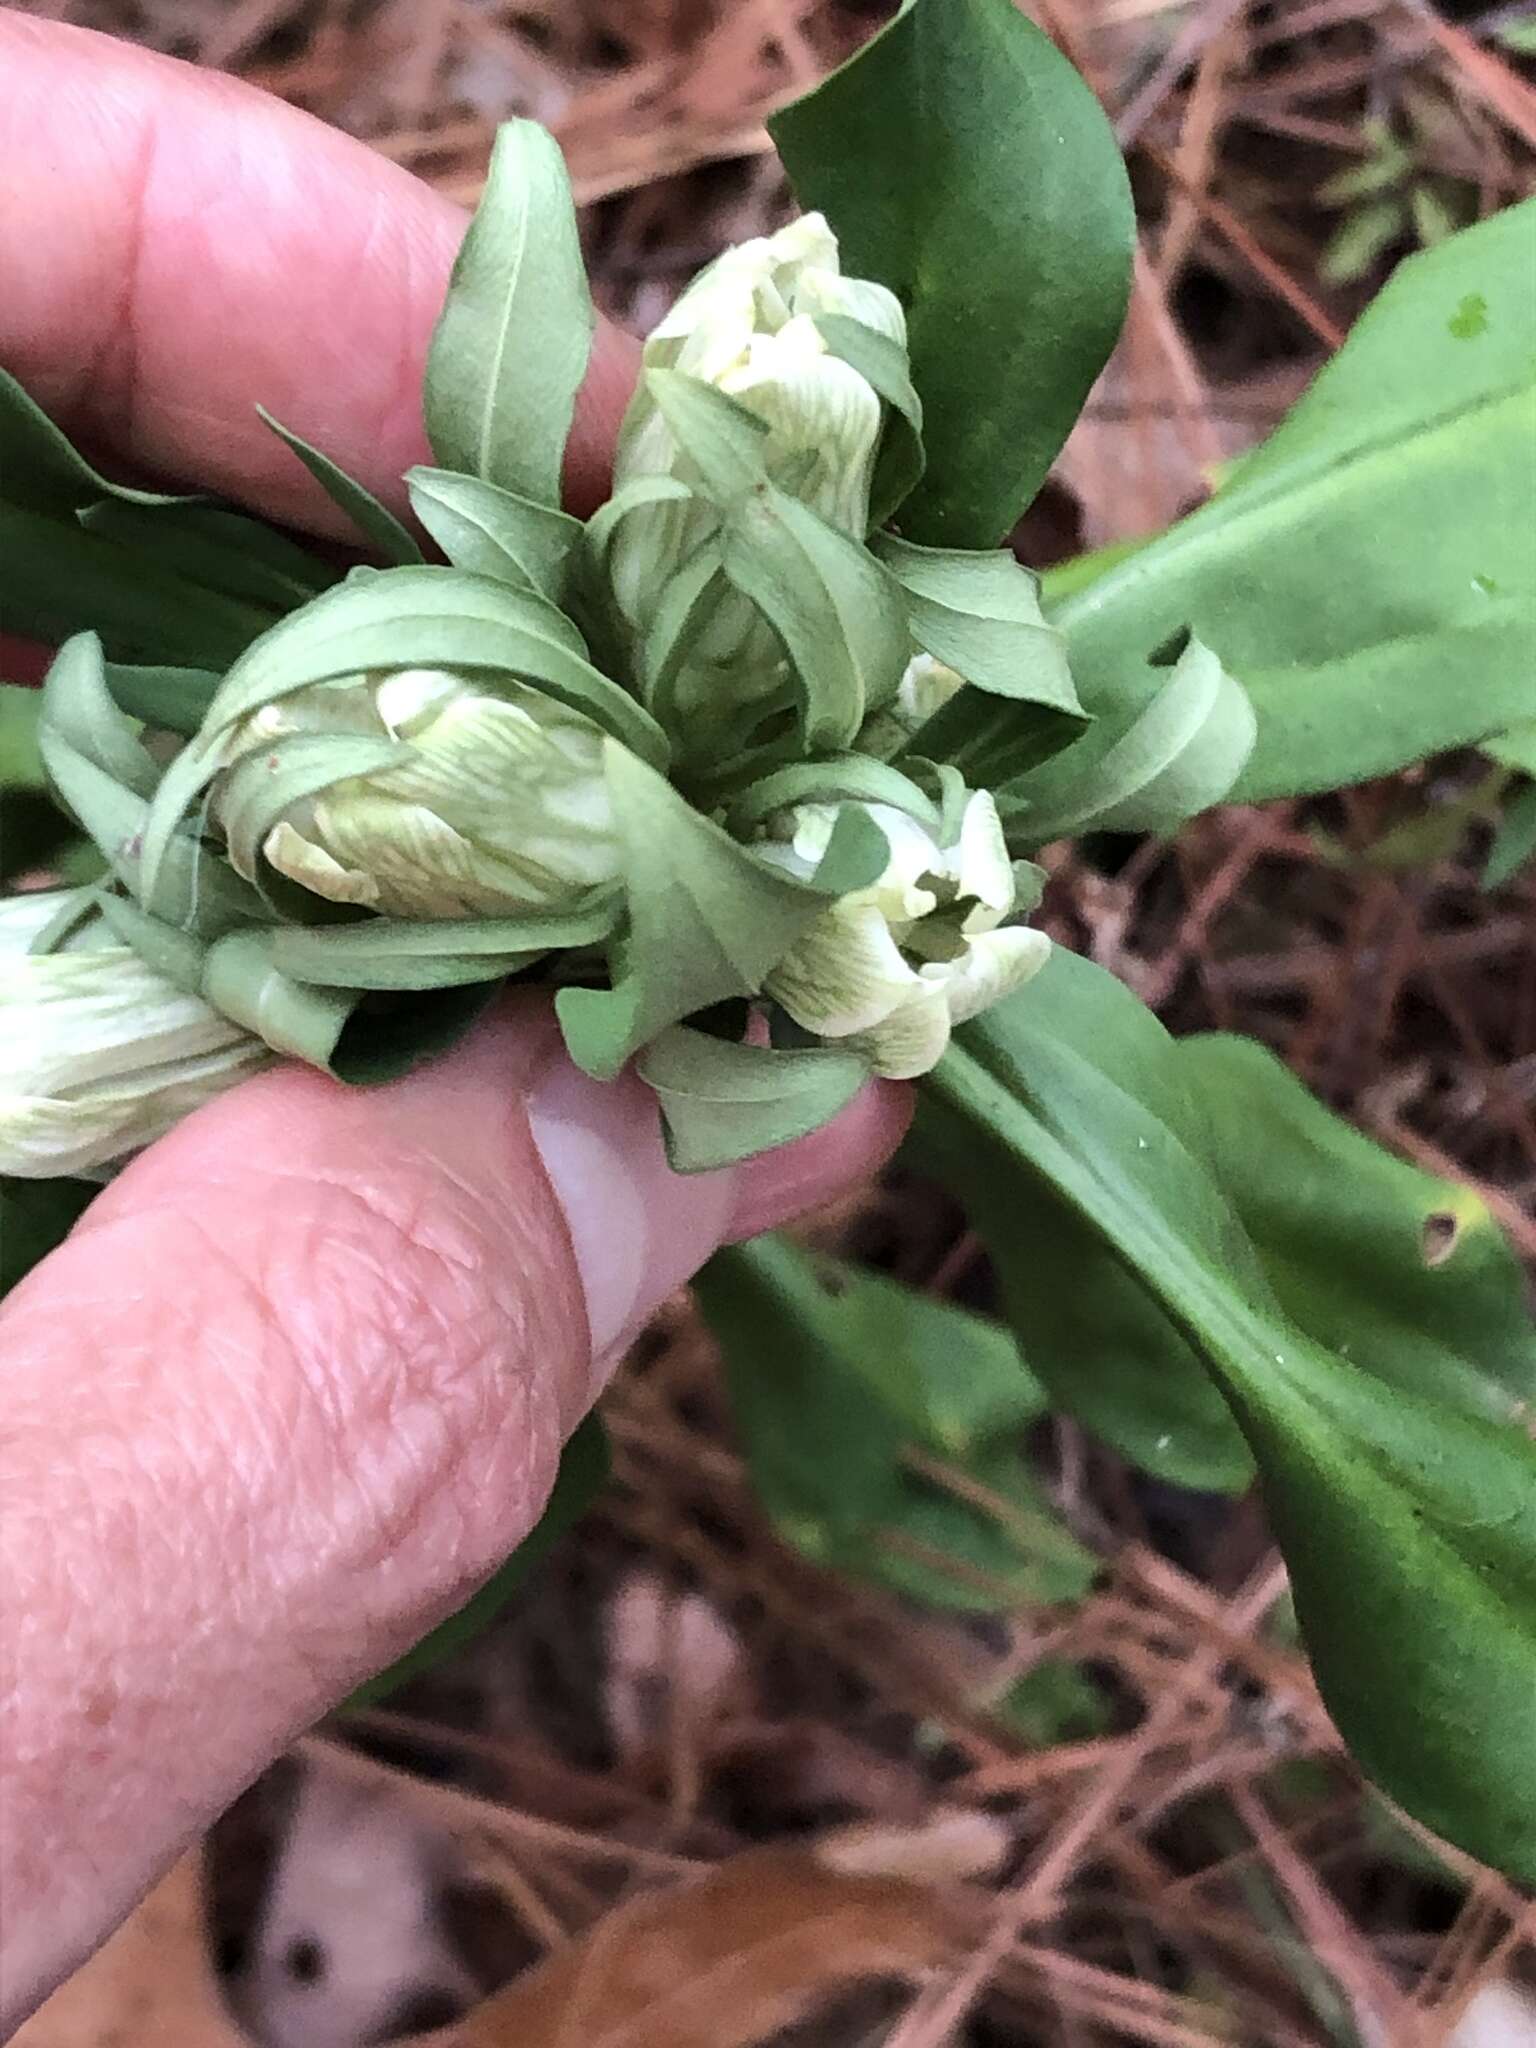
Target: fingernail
(638,1230)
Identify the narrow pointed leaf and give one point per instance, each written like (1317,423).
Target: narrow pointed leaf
(511,346)
(374,521)
(882,363)
(978,611)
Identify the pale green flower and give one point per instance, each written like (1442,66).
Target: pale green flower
(890,969)
(102,1054)
(747,326)
(501,809)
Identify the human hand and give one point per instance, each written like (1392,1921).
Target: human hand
(299,1379)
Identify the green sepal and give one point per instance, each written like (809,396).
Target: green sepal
(978,611)
(217,549)
(263,785)
(851,778)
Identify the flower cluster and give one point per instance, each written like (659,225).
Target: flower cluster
(683,764)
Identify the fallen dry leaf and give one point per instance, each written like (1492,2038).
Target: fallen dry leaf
(151,1987)
(728,1959)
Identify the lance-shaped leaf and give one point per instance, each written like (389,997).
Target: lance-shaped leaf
(708,921)
(373,520)
(175,699)
(422,617)
(481,526)
(836,1376)
(1364,641)
(882,363)
(1514,843)
(723,1101)
(963,162)
(1408,1525)
(60,580)
(511,346)
(978,611)
(1178,756)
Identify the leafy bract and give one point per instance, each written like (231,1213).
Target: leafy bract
(511,346)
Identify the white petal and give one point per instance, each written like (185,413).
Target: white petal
(992,966)
(846,974)
(911,1040)
(980,864)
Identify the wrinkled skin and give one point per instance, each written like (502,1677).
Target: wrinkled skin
(300,1377)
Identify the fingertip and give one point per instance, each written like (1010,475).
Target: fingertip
(779,1185)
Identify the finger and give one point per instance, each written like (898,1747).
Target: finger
(295,1385)
(178,248)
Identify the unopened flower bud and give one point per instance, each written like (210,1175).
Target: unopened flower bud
(102,1054)
(501,808)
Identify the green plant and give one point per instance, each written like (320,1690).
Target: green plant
(810,724)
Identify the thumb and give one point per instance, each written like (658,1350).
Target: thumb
(296,1383)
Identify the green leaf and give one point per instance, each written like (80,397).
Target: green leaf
(1409,1526)
(373,520)
(979,613)
(217,549)
(582,1473)
(387,953)
(361,1038)
(511,348)
(722,1101)
(1091,1329)
(1515,840)
(59,580)
(963,162)
(708,921)
(35,1216)
(882,363)
(175,699)
(1178,756)
(42,471)
(835,1377)
(1360,241)
(494,532)
(21,765)
(1406,1275)
(1363,641)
